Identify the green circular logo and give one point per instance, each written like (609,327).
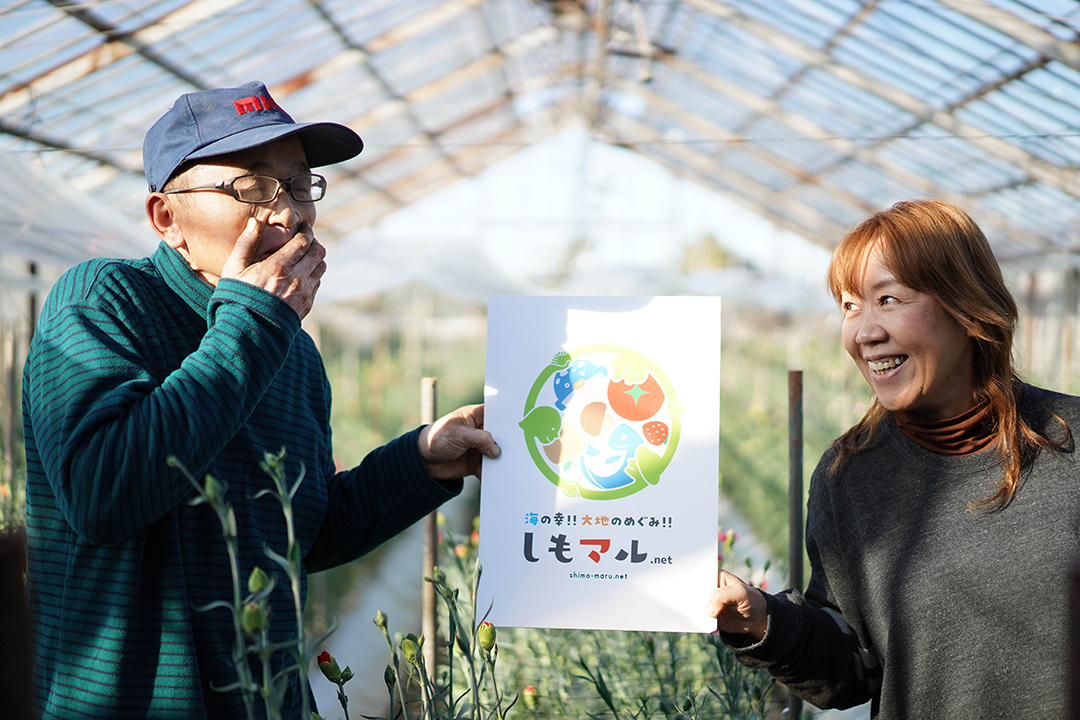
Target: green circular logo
(602,422)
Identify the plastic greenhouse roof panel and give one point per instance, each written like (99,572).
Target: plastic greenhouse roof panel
(807,88)
(815,23)
(813,154)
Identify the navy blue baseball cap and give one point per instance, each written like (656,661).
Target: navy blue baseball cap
(224,120)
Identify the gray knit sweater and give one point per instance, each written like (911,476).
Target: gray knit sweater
(922,605)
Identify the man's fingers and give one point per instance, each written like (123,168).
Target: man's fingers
(453,444)
(471,433)
(308,254)
(480,440)
(245,249)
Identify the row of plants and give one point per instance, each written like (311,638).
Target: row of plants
(575,673)
(482,673)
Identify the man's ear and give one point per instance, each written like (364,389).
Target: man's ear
(163,219)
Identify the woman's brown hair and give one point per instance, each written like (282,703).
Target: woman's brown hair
(937,249)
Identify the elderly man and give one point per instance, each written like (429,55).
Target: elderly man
(196,353)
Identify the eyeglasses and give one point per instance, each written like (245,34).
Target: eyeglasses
(257,189)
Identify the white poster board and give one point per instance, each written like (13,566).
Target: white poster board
(601,511)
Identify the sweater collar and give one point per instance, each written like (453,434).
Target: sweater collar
(184,281)
(965,434)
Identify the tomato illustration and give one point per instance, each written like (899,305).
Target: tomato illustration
(635,402)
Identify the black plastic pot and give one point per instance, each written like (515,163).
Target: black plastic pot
(14,627)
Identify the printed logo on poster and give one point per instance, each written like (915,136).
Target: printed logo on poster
(602,422)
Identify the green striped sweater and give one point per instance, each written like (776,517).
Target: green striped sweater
(137,361)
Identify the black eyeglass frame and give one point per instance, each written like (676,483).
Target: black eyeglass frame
(226,186)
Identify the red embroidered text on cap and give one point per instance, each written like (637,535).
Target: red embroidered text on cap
(253,103)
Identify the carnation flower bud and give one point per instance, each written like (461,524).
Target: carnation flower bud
(380,620)
(410,648)
(390,678)
(254,617)
(329,666)
(257,580)
(529,696)
(487,635)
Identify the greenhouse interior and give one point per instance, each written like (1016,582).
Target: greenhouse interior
(564,148)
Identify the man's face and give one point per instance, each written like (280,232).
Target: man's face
(208,222)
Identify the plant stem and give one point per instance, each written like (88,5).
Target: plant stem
(345,700)
(243,670)
(274,466)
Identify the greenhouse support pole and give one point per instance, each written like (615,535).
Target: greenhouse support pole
(795,502)
(431,536)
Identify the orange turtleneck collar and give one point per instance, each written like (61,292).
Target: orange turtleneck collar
(967,433)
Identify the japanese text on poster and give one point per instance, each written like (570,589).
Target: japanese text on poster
(601,511)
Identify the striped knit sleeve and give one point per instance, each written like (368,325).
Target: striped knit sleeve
(386,493)
(108,411)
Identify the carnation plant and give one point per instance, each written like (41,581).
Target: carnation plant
(251,611)
(561,673)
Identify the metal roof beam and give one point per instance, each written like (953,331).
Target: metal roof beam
(57,144)
(859,17)
(798,217)
(594,74)
(712,131)
(399,106)
(1040,170)
(117,46)
(851,150)
(389,109)
(111,32)
(423,23)
(1011,25)
(473,159)
(413,28)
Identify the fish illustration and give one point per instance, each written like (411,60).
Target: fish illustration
(568,380)
(624,441)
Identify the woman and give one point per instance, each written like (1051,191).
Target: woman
(939,527)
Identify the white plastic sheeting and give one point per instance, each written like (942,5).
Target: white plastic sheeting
(47,220)
(457,268)
(507,231)
(575,217)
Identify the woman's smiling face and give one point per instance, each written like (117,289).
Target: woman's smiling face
(914,355)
